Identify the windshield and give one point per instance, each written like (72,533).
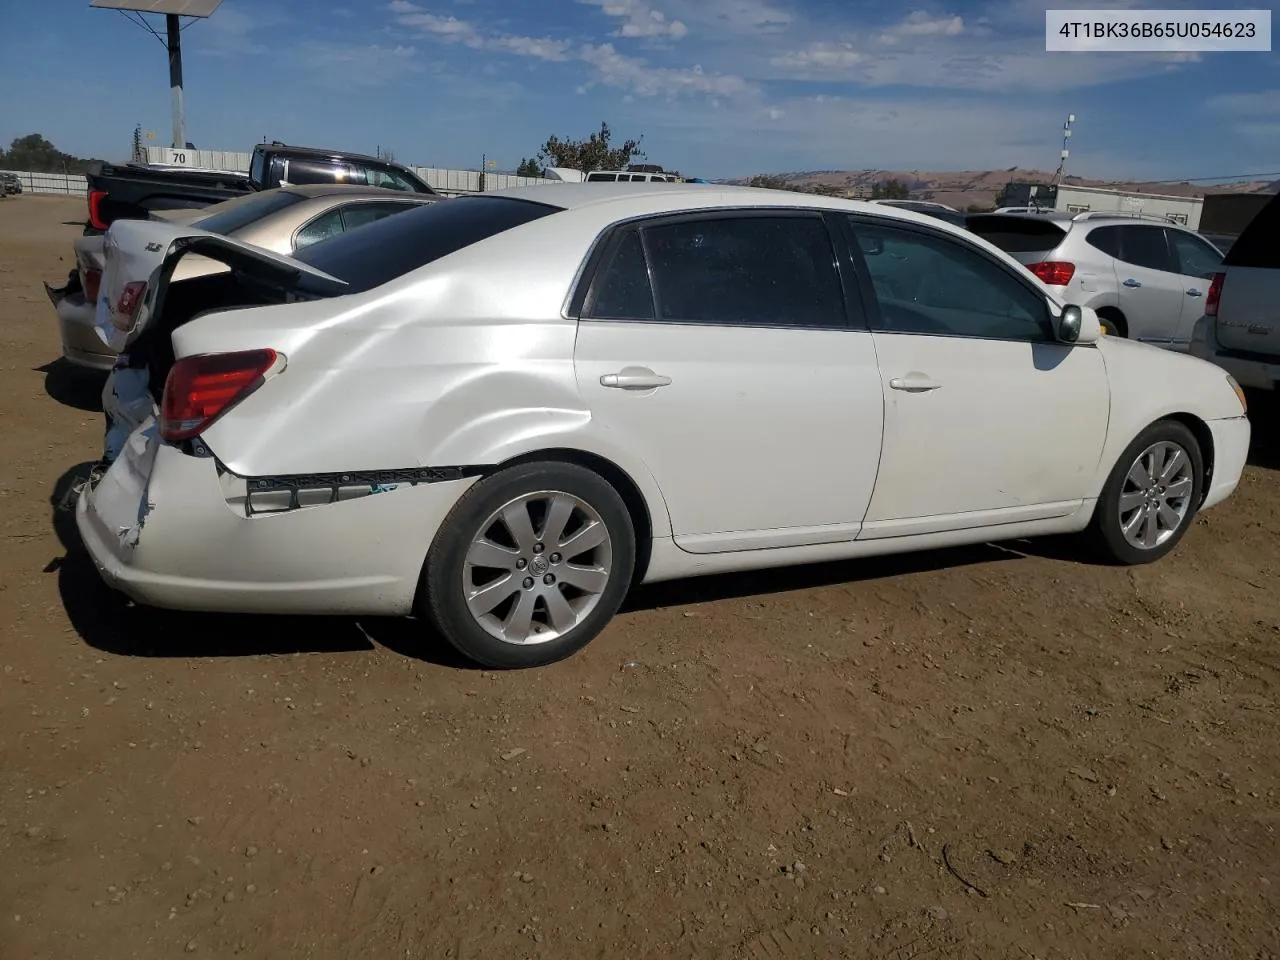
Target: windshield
(393,246)
(227,218)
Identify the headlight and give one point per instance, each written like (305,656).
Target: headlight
(1244,404)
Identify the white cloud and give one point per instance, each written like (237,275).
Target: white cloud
(641,19)
(1256,103)
(608,66)
(739,16)
(448,29)
(822,55)
(920,24)
(630,73)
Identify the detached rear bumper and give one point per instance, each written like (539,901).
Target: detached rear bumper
(161,529)
(80,341)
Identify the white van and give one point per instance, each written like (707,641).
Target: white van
(628,176)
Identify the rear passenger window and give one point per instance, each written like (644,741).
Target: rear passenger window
(359,214)
(765,270)
(1106,239)
(1146,247)
(623,292)
(321,228)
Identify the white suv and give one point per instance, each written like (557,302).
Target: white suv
(1147,279)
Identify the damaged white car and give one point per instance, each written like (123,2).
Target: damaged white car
(502,411)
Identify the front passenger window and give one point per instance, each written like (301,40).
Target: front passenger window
(928,284)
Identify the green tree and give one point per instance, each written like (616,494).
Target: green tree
(593,153)
(529,168)
(890,190)
(36,154)
(769,181)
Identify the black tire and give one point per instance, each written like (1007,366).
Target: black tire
(443,574)
(1105,529)
(1108,327)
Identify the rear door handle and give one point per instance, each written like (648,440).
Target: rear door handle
(914,384)
(634,378)
(1193,292)
(1132,282)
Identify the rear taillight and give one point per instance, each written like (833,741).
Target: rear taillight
(95,209)
(90,281)
(200,389)
(1214,296)
(1054,273)
(131,298)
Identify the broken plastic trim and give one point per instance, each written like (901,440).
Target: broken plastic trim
(286,492)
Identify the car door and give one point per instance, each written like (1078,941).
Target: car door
(988,419)
(1196,262)
(719,349)
(1151,291)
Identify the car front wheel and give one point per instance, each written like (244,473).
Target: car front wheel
(1151,496)
(530,565)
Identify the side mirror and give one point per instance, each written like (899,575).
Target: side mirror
(1076,325)
(1069,323)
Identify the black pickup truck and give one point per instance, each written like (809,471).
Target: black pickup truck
(133,191)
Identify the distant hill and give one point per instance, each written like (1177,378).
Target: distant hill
(964,188)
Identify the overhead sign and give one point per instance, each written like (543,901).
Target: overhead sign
(181,8)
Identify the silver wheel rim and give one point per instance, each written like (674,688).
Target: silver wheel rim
(537,567)
(1156,495)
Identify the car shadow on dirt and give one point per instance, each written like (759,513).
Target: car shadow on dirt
(73,386)
(786,579)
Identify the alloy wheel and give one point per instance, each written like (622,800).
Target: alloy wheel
(1156,496)
(537,567)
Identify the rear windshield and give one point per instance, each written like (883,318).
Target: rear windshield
(393,246)
(1259,245)
(227,218)
(1017,234)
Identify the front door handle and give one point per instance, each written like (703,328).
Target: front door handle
(914,383)
(1193,292)
(634,378)
(1132,282)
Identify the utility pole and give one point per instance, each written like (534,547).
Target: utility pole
(1062,160)
(175,79)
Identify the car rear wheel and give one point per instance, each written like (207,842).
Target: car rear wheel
(1151,496)
(530,565)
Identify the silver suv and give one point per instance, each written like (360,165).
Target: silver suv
(1146,278)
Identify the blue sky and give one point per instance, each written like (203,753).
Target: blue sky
(716,87)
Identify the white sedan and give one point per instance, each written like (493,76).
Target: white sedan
(502,411)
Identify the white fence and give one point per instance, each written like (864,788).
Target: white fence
(438,178)
(63,183)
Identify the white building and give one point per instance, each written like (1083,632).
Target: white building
(1183,210)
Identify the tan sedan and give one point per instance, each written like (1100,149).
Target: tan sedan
(283,220)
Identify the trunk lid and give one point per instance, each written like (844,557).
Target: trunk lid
(140,256)
(1248,318)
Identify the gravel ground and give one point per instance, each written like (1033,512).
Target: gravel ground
(991,752)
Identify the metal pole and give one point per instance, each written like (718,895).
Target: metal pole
(175,80)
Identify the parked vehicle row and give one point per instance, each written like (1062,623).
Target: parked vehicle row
(1146,279)
(500,412)
(137,190)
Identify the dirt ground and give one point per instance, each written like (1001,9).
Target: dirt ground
(986,753)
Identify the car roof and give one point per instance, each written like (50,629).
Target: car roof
(680,197)
(312,191)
